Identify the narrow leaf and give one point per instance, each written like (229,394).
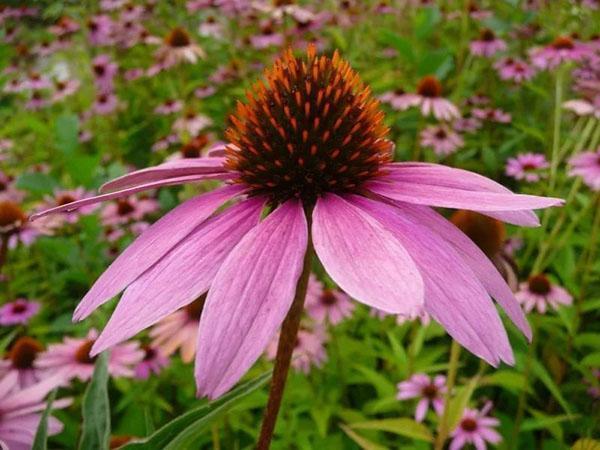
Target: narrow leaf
(41,435)
(402,426)
(96,409)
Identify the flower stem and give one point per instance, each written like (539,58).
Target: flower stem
(285,348)
(558,91)
(443,428)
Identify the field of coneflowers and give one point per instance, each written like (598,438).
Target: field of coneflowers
(337,224)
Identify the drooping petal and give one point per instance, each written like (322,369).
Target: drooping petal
(475,259)
(69,207)
(171,169)
(453,294)
(364,259)
(181,276)
(249,298)
(151,245)
(432,175)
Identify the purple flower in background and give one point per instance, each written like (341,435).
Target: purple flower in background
(527,166)
(443,140)
(370,220)
(539,293)
(476,428)
(487,45)
(153,363)
(562,49)
(515,70)
(429,391)
(327,304)
(429,99)
(308,352)
(587,166)
(21,359)
(18,312)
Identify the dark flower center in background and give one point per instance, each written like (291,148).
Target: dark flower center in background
(19,307)
(23,352)
(149,354)
(429,86)
(487,35)
(193,149)
(430,391)
(563,43)
(468,424)
(441,134)
(328,297)
(124,207)
(312,128)
(178,37)
(486,232)
(82,355)
(64,199)
(11,215)
(539,284)
(194,309)
(99,69)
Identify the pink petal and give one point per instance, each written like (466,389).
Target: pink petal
(453,294)
(249,298)
(151,245)
(421,409)
(181,276)
(171,169)
(364,259)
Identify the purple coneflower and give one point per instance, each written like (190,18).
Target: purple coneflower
(18,312)
(267,37)
(21,359)
(324,304)
(128,209)
(210,27)
(562,49)
(584,107)
(429,391)
(476,428)
(429,99)
(515,70)
(153,363)
(8,191)
(21,411)
(178,47)
(72,359)
(64,89)
(104,70)
(169,106)
(64,197)
(420,314)
(539,293)
(191,123)
(491,115)
(587,166)
(311,144)
(487,45)
(105,103)
(100,30)
(527,166)
(309,349)
(36,102)
(442,139)
(36,82)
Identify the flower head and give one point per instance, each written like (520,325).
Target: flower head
(154,362)
(442,139)
(527,166)
(538,292)
(429,391)
(560,50)
(587,166)
(476,428)
(327,304)
(487,44)
(515,70)
(309,350)
(21,359)
(18,311)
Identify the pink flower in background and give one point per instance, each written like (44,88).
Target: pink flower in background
(64,26)
(421,314)
(153,363)
(309,351)
(583,107)
(36,102)
(476,428)
(487,45)
(177,48)
(385,250)
(539,293)
(205,91)
(491,115)
(429,391)
(191,123)
(169,106)
(562,49)
(527,166)
(18,311)
(398,99)
(111,5)
(36,82)
(324,304)
(8,191)
(211,28)
(467,124)
(179,331)
(130,209)
(63,197)
(267,37)
(515,70)
(100,30)
(443,140)
(21,359)
(429,99)
(21,411)
(104,104)
(165,142)
(64,89)
(587,166)
(71,359)
(104,70)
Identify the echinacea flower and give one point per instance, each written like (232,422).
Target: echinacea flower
(21,359)
(100,30)
(562,49)
(538,292)
(515,70)
(194,148)
(429,99)
(18,312)
(105,103)
(267,38)
(104,70)
(63,197)
(72,359)
(191,123)
(587,166)
(430,392)
(443,140)
(477,428)
(15,226)
(153,363)
(64,89)
(487,45)
(309,349)
(8,191)
(583,107)
(128,209)
(169,106)
(491,115)
(179,330)
(21,411)
(178,47)
(324,304)
(311,144)
(527,166)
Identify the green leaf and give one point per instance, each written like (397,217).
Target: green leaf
(586,444)
(363,443)
(183,431)
(96,409)
(426,20)
(402,426)
(41,435)
(593,360)
(436,62)
(541,372)
(380,382)
(37,183)
(66,134)
(508,379)
(6,340)
(403,45)
(540,423)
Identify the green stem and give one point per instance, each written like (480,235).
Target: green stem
(596,137)
(558,91)
(589,261)
(522,402)
(443,428)
(285,348)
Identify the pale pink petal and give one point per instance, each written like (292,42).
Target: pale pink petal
(181,276)
(364,259)
(151,245)
(421,409)
(249,298)
(171,169)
